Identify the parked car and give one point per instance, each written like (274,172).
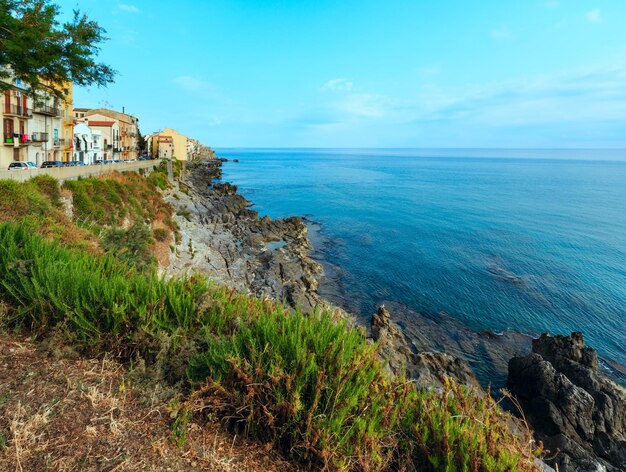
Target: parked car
(49,164)
(18,166)
(32,165)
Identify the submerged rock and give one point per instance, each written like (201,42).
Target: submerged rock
(570,405)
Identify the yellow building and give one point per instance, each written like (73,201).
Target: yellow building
(168,144)
(67,118)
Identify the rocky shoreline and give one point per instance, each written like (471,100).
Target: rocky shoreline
(568,401)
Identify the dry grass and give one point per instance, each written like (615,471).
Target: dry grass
(66,415)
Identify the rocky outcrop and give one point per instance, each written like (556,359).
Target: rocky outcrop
(222,237)
(572,407)
(427,369)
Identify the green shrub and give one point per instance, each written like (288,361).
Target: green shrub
(104,301)
(48,186)
(130,245)
(159,180)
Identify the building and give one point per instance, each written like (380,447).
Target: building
(125,147)
(109,133)
(47,133)
(67,123)
(37,126)
(168,144)
(87,144)
(15,112)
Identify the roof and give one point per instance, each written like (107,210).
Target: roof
(81,109)
(100,123)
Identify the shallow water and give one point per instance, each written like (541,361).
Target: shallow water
(534,242)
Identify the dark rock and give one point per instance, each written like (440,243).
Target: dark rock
(570,405)
(427,369)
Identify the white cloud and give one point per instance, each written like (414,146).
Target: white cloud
(128,8)
(501,34)
(594,15)
(192,84)
(338,85)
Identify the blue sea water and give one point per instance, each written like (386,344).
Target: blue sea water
(525,240)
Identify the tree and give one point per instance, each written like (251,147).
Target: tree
(141,142)
(40,51)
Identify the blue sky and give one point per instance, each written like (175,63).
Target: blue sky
(323,73)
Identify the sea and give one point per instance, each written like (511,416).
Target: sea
(524,240)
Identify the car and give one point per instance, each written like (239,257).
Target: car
(32,165)
(18,166)
(70,164)
(48,164)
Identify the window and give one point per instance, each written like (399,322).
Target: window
(56,136)
(8,130)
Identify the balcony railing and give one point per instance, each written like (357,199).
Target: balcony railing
(39,137)
(13,139)
(59,142)
(17,110)
(46,110)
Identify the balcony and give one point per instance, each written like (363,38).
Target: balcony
(39,137)
(13,139)
(59,142)
(17,110)
(46,110)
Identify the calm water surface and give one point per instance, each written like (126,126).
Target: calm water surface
(524,240)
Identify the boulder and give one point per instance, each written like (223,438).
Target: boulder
(571,406)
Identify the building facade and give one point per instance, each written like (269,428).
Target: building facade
(168,144)
(15,112)
(125,145)
(87,144)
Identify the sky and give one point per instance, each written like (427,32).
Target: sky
(368,73)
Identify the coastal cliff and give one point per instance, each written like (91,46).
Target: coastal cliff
(223,237)
(202,330)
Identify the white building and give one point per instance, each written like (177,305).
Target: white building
(87,144)
(48,140)
(109,132)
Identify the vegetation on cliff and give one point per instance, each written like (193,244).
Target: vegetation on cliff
(308,384)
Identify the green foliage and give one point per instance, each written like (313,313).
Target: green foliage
(130,245)
(158,179)
(49,186)
(309,384)
(105,302)
(46,54)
